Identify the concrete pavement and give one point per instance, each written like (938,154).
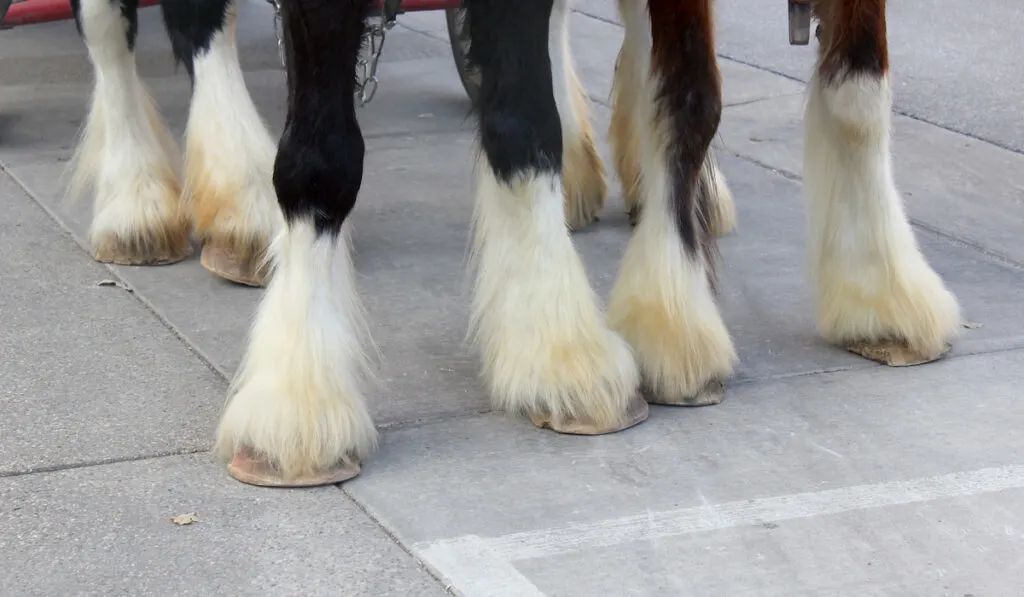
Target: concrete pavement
(821,474)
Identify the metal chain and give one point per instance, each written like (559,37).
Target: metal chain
(278,30)
(366,77)
(366,69)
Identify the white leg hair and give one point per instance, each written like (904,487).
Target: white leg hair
(721,208)
(662,301)
(874,286)
(544,346)
(127,154)
(583,173)
(229,163)
(296,401)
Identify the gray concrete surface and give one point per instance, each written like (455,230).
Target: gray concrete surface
(822,474)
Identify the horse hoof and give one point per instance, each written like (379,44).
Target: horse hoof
(636,413)
(252,470)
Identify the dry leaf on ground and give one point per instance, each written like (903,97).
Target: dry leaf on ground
(183,519)
(114,283)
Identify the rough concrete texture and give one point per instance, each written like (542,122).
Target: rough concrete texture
(89,373)
(822,473)
(107,530)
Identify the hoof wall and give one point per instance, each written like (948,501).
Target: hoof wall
(712,393)
(121,254)
(223,262)
(636,413)
(249,469)
(894,353)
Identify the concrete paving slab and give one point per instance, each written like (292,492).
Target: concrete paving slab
(965,188)
(87,373)
(881,480)
(106,531)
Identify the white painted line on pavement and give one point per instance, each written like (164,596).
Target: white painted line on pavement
(472,569)
(483,567)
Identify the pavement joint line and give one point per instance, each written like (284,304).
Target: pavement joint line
(598,18)
(773,169)
(968,244)
(393,537)
(424,421)
(485,565)
(950,238)
(757,100)
(607,102)
(895,110)
(1010,344)
(428,34)
(56,468)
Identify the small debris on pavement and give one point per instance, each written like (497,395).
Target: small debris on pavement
(114,283)
(973,326)
(184,519)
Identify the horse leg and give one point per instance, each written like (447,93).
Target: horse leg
(583,172)
(296,414)
(125,152)
(624,128)
(876,294)
(544,348)
(627,91)
(662,301)
(229,154)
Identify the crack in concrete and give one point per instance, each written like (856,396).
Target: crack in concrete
(56,468)
(948,237)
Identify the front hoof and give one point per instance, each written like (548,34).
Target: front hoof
(894,353)
(636,413)
(112,249)
(251,469)
(248,269)
(712,393)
